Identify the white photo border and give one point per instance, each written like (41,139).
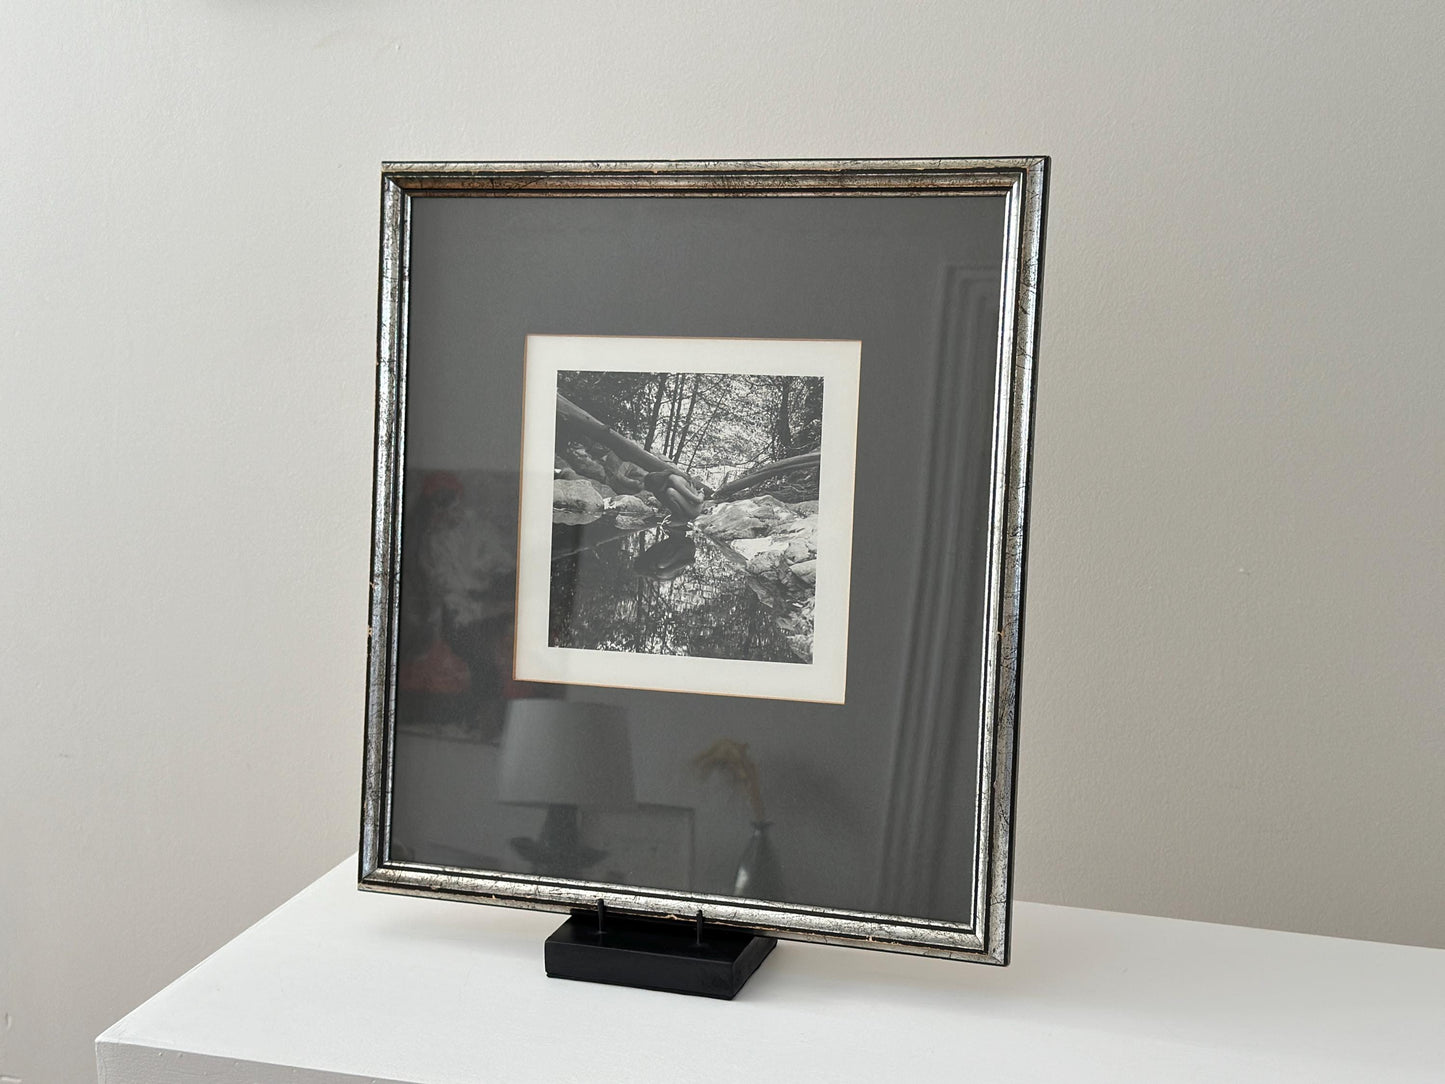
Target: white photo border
(839,363)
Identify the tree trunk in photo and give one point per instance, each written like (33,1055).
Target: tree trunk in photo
(656,410)
(674,402)
(675,452)
(702,434)
(783,440)
(737,485)
(573,418)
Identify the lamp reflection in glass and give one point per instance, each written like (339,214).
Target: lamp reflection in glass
(565,756)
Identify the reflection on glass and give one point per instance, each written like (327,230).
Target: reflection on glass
(563,756)
(862,808)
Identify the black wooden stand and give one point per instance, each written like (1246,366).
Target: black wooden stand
(655,953)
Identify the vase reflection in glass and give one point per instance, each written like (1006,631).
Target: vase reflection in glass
(760,875)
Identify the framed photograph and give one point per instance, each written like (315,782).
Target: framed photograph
(584,617)
(699,538)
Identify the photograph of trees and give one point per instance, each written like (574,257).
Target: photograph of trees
(685,513)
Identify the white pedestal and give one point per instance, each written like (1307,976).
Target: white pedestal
(344,986)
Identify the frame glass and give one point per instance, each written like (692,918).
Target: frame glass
(699,537)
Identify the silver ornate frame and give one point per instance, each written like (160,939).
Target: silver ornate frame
(1023,183)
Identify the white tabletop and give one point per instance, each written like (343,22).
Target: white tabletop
(340,985)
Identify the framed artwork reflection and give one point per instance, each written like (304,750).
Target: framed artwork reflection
(699,539)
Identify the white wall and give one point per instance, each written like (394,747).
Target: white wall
(1233,687)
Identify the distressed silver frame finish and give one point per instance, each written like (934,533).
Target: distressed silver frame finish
(1022,181)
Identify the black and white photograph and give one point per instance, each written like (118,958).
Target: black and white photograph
(685,514)
(694,515)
